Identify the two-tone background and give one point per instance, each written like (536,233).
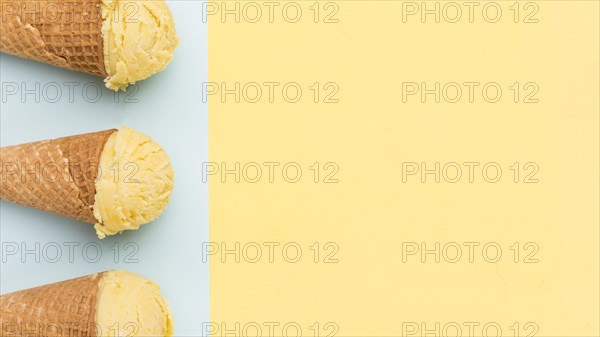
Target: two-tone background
(347,168)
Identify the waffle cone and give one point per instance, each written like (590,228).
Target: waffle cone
(60,309)
(55,175)
(64,33)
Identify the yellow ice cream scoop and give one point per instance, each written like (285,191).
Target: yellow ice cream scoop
(108,304)
(139,40)
(134,182)
(131,305)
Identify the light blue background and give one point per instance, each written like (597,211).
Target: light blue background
(169,108)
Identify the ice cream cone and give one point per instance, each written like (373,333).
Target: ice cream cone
(66,308)
(56,176)
(76,177)
(61,33)
(121,40)
(113,303)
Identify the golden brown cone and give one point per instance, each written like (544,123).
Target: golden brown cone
(56,175)
(64,33)
(60,309)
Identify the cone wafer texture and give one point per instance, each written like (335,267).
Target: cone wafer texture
(66,34)
(56,175)
(61,309)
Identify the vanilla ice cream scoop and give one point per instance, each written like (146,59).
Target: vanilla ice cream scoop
(131,305)
(139,40)
(134,182)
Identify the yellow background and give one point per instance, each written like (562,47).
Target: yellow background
(370,132)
